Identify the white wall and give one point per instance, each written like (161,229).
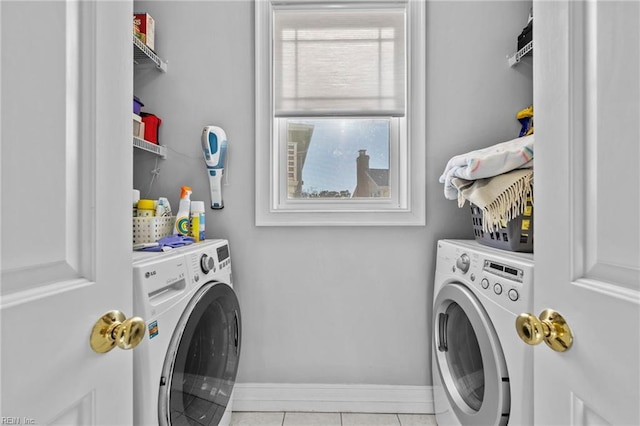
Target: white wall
(327,305)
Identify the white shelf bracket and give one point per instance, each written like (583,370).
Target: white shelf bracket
(517,57)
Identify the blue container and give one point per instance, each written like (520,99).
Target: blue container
(137,105)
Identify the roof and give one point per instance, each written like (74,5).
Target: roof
(379,176)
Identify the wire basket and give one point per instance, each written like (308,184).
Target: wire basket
(151,229)
(514,235)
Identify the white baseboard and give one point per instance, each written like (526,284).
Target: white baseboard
(333,398)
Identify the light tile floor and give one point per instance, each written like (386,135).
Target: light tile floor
(329,419)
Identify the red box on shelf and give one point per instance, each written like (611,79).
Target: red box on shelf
(151,124)
(146,25)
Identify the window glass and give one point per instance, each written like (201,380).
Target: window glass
(337,158)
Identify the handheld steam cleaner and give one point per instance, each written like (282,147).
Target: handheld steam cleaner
(214,148)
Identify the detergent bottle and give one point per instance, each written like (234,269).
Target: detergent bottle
(197,220)
(181,226)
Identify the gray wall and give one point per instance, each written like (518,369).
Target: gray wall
(327,305)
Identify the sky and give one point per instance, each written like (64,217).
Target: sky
(331,159)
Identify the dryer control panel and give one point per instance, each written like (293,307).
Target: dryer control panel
(503,270)
(502,276)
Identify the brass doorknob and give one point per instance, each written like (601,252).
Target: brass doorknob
(114,329)
(550,327)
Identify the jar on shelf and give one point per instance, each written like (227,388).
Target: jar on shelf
(146,208)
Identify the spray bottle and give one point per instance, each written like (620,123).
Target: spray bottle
(181,226)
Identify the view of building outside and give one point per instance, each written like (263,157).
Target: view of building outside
(338,158)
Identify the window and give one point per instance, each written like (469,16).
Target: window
(340,112)
(337,158)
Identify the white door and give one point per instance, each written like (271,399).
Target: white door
(66,85)
(587,204)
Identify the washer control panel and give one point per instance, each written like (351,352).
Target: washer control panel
(207,264)
(210,260)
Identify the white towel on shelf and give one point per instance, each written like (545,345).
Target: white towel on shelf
(487,162)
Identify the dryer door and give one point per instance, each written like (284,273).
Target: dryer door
(469,357)
(202,360)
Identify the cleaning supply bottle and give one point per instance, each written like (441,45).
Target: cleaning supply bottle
(135,199)
(197,220)
(145,208)
(181,226)
(163,208)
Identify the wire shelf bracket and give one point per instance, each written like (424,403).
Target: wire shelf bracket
(143,55)
(517,57)
(150,147)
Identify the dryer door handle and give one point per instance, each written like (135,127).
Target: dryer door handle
(442,332)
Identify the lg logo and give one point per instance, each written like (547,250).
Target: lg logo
(149,274)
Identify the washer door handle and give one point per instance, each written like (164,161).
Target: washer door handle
(442,332)
(236,334)
(550,327)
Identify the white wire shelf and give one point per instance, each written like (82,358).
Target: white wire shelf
(150,147)
(517,57)
(143,55)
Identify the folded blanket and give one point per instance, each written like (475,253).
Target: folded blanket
(488,162)
(500,198)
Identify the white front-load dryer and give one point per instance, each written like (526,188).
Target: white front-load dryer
(185,367)
(482,371)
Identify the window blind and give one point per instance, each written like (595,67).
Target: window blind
(339,61)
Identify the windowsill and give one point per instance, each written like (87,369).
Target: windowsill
(334,218)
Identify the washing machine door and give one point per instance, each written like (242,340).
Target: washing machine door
(469,358)
(202,360)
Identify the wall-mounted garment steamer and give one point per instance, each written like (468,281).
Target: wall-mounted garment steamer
(214,147)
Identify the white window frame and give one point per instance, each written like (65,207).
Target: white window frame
(406,158)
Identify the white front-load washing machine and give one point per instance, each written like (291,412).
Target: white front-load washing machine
(185,367)
(482,371)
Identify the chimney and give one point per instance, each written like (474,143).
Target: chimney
(362,183)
